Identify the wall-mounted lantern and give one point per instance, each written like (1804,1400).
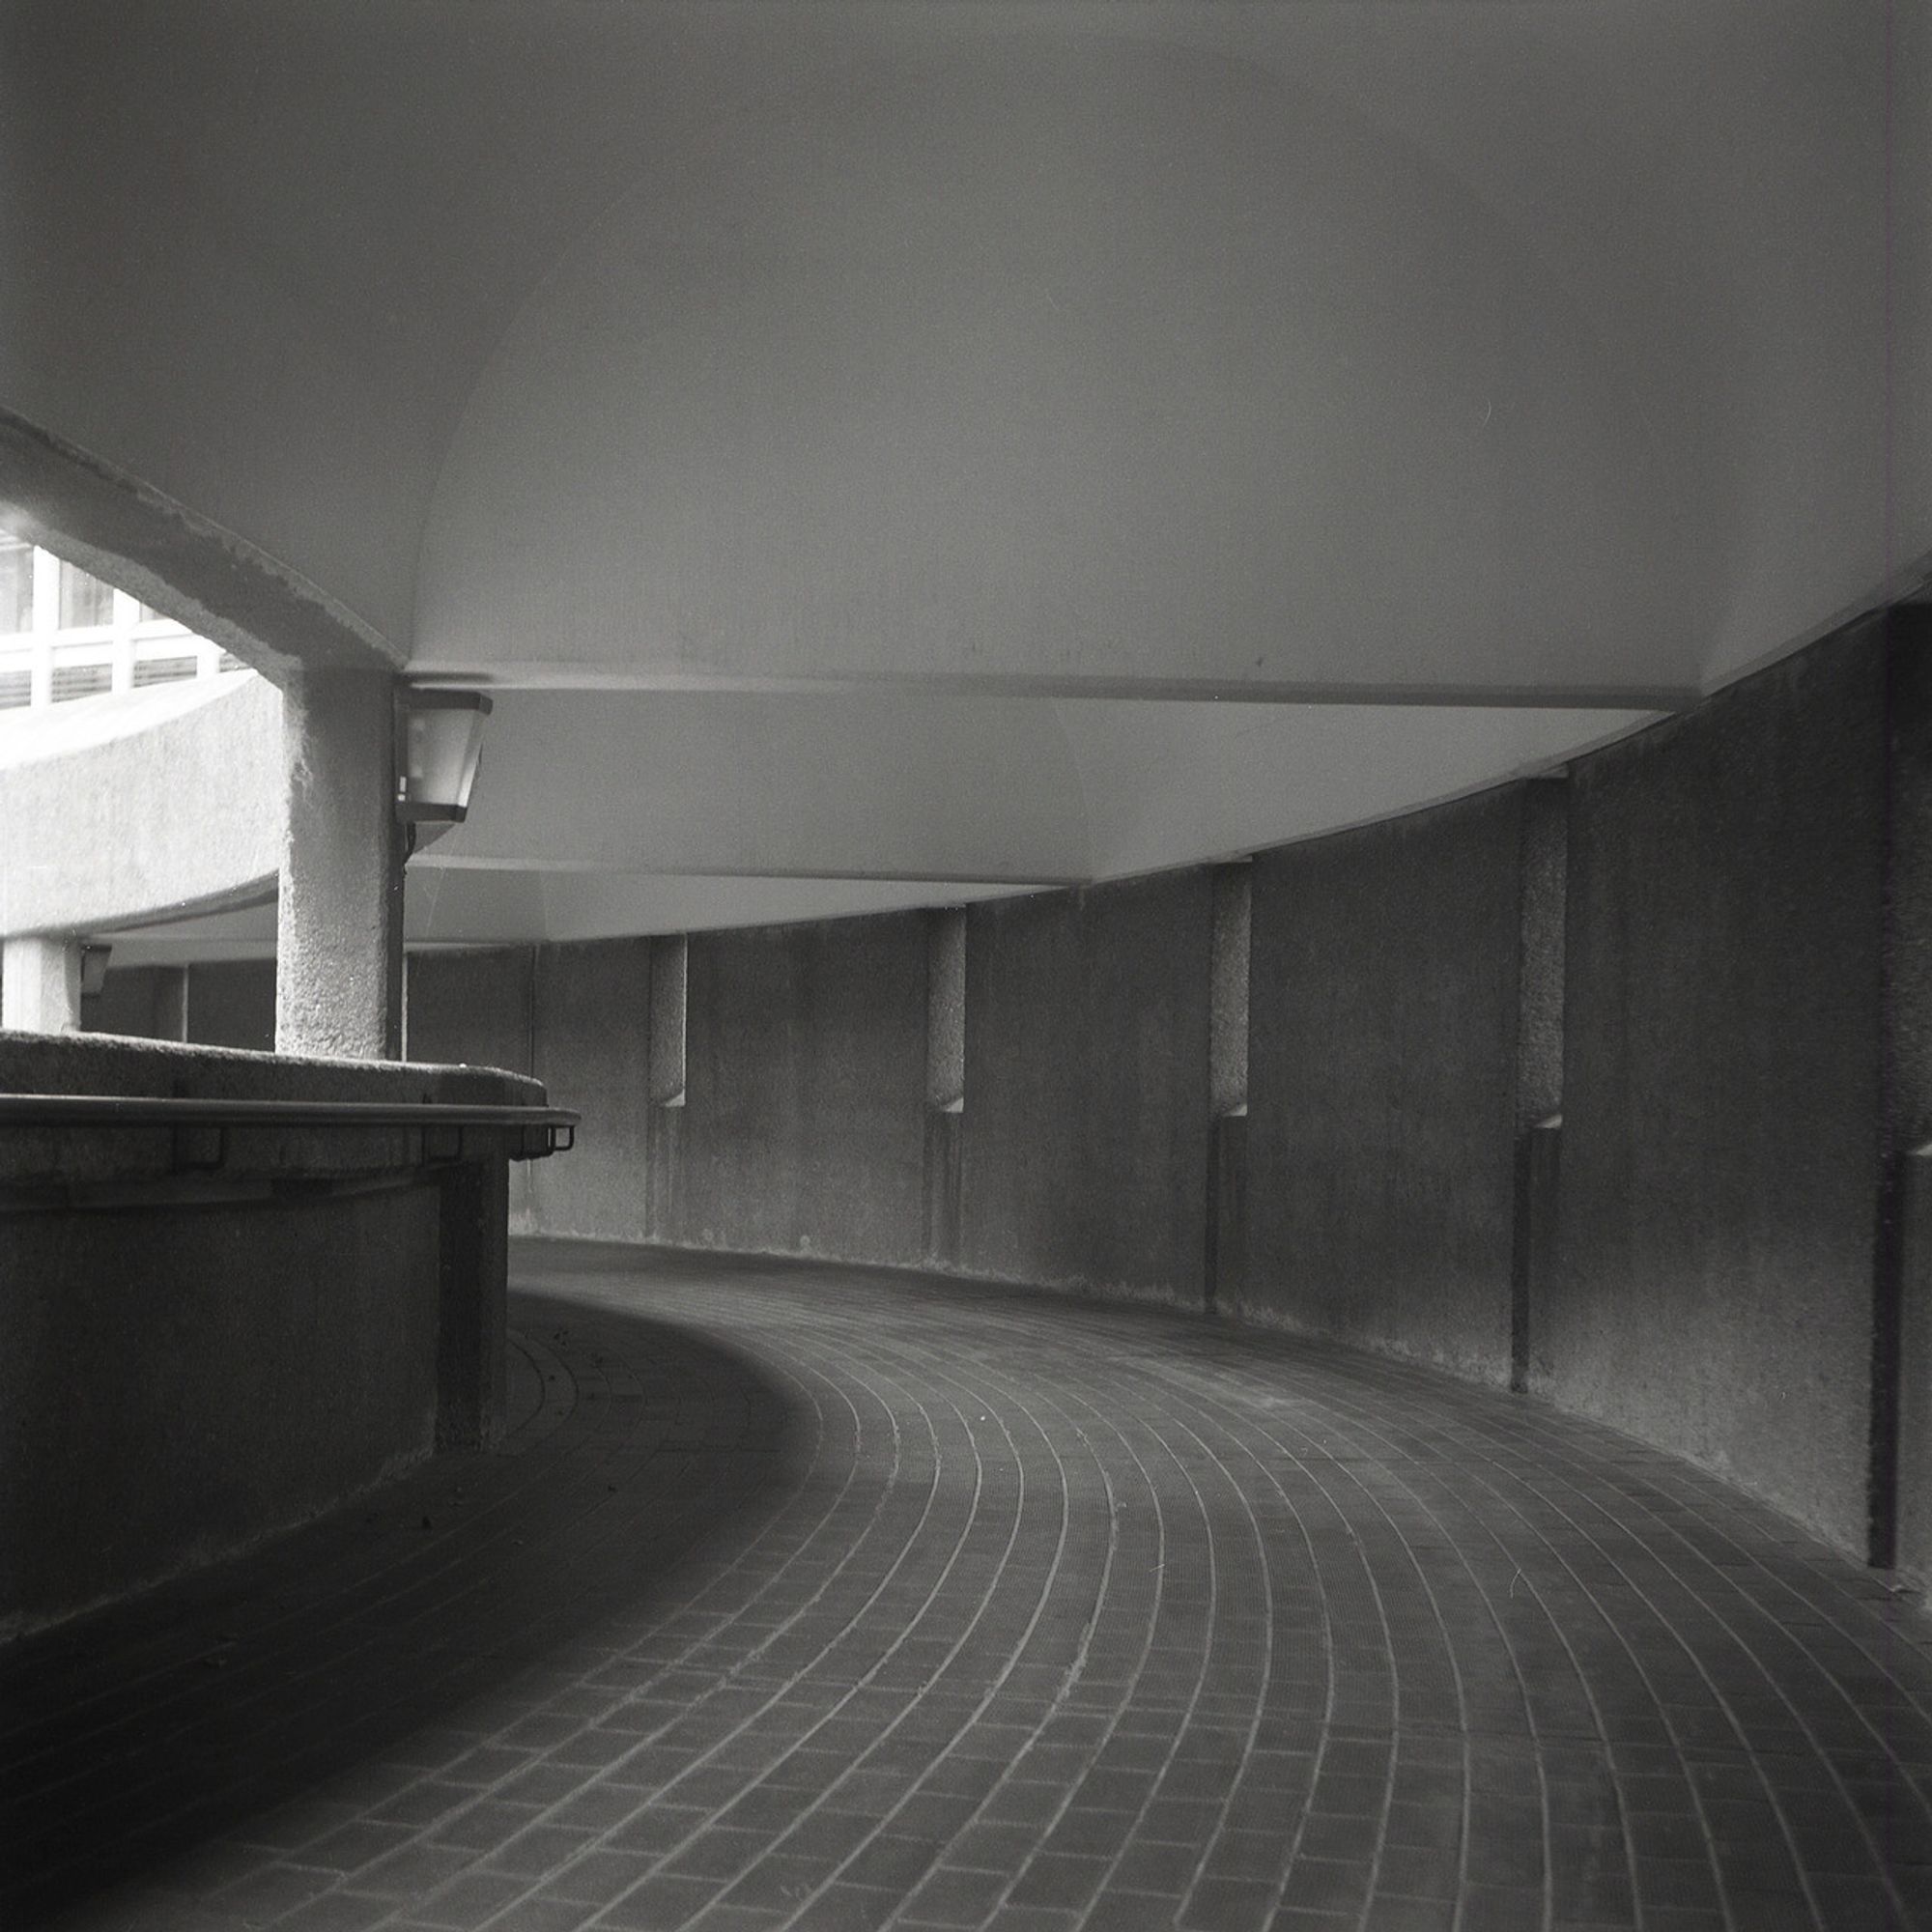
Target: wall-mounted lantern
(94,960)
(438,736)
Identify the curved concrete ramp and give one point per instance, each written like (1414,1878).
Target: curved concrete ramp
(147,804)
(805,1597)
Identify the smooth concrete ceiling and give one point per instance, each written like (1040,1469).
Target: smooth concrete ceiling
(955,444)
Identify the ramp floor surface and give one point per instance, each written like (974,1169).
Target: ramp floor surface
(810,1596)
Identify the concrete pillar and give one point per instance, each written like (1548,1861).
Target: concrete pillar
(1228,992)
(671,957)
(1900,1533)
(339,921)
(1224,1266)
(1543,888)
(39,984)
(945,1080)
(171,1003)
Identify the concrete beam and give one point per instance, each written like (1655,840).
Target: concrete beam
(141,540)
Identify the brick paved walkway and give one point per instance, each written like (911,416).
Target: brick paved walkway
(808,1598)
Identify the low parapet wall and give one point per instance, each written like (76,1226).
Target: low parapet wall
(222,1319)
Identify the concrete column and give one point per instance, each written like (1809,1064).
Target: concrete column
(339,921)
(945,1080)
(39,984)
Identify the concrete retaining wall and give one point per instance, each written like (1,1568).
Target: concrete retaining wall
(1382,1085)
(802,1131)
(230,1003)
(177,1383)
(1085,1129)
(1683,948)
(590,1010)
(211,1338)
(1715,1215)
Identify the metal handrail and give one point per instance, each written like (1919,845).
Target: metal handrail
(128,1110)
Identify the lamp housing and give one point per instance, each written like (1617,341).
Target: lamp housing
(94,958)
(438,739)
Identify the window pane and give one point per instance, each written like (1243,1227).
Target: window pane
(16,586)
(80,681)
(84,599)
(162,671)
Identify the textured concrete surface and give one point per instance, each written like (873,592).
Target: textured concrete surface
(210,1337)
(40,983)
(592,1036)
(98,1064)
(1912,1539)
(1085,1156)
(804,1124)
(1228,1005)
(1908,1076)
(181,1379)
(805,1598)
(471,1009)
(1717,1212)
(140,1003)
(1679,946)
(232,1002)
(1381,1088)
(946,1008)
(144,818)
(339,910)
(671,962)
(1544,861)
(477,1009)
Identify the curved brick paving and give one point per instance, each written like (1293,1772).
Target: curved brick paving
(808,1598)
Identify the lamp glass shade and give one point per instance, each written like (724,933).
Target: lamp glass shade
(94,969)
(440,739)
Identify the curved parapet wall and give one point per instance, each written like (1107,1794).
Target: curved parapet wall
(141,807)
(215,1331)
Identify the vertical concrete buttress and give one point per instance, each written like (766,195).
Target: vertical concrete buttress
(1901,1419)
(945,1080)
(1543,890)
(1231,946)
(339,921)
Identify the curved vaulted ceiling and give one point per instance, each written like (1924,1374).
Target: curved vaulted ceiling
(960,446)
